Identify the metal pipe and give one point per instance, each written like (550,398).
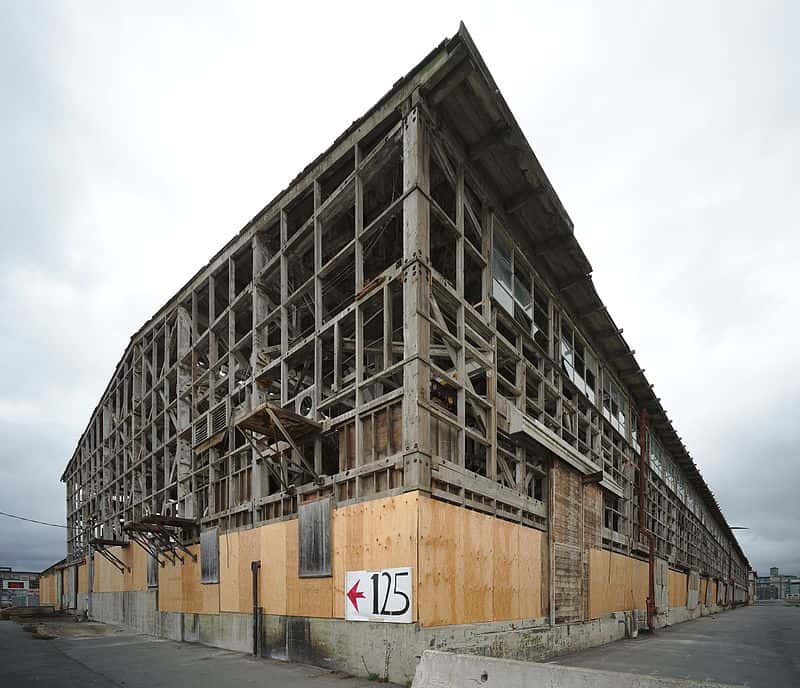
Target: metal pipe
(644,441)
(255,567)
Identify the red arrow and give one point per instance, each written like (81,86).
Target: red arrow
(354,594)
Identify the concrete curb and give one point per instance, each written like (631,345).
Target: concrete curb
(446,669)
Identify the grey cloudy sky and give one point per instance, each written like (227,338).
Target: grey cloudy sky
(137,138)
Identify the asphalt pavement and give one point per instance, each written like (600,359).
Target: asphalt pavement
(121,659)
(757,646)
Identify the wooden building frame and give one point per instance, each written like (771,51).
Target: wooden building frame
(418,296)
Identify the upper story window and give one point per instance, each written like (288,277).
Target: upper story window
(656,456)
(503,271)
(615,405)
(634,415)
(517,291)
(578,362)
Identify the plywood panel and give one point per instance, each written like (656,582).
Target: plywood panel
(229,572)
(170,588)
(703,590)
(237,551)
(616,583)
(441,564)
(677,589)
(108,578)
(272,539)
(47,589)
(249,550)
(476,583)
(83,579)
(505,576)
(475,567)
(531,543)
(377,534)
(304,596)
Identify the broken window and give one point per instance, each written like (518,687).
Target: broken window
(614,404)
(541,316)
(612,512)
(502,268)
(578,362)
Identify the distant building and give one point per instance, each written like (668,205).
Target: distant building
(18,588)
(777,586)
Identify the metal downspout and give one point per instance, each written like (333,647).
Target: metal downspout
(644,441)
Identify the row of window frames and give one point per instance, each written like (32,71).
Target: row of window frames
(511,291)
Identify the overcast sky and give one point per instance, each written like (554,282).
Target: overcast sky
(136,140)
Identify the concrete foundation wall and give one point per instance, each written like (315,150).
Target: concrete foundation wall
(391,650)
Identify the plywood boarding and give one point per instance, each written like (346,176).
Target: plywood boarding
(170,587)
(47,589)
(197,597)
(304,596)
(616,583)
(272,545)
(474,567)
(180,589)
(703,590)
(83,578)
(108,578)
(237,551)
(677,589)
(229,572)
(377,534)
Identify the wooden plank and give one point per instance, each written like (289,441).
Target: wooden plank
(531,543)
(678,583)
(616,583)
(377,534)
(505,576)
(475,567)
(304,596)
(272,538)
(476,571)
(229,572)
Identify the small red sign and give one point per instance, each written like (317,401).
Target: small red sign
(15,585)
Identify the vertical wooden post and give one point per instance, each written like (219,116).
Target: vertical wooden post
(416,299)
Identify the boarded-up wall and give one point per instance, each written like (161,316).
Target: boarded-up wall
(376,534)
(677,589)
(380,533)
(474,567)
(83,578)
(616,583)
(47,588)
(180,589)
(467,566)
(108,578)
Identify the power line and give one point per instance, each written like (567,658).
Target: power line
(32,520)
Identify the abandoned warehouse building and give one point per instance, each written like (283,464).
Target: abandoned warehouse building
(393,414)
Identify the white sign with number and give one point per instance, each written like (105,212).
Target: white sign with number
(378,595)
